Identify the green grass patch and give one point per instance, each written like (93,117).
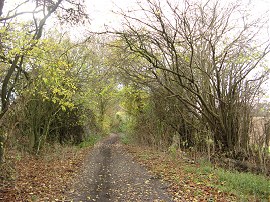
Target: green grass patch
(91,140)
(244,185)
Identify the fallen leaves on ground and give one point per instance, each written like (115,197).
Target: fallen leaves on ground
(43,178)
(184,185)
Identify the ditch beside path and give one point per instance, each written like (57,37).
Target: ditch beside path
(110,174)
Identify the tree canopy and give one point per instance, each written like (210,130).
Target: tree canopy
(183,73)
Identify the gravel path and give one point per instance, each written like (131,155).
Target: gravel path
(110,174)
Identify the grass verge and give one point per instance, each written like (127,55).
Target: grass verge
(245,186)
(202,182)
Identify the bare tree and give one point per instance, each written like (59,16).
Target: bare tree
(207,56)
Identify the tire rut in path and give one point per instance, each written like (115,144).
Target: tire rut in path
(110,174)
(102,183)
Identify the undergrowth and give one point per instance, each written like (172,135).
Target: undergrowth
(90,141)
(126,139)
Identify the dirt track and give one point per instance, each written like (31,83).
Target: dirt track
(110,174)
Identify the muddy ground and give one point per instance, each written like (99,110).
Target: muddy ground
(110,174)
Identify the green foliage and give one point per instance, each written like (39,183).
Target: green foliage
(48,102)
(53,76)
(90,141)
(140,118)
(128,126)
(38,79)
(67,96)
(133,99)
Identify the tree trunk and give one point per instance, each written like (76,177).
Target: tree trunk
(1,6)
(5,90)
(2,141)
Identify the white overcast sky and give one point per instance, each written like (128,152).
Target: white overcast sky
(101,14)
(100,11)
